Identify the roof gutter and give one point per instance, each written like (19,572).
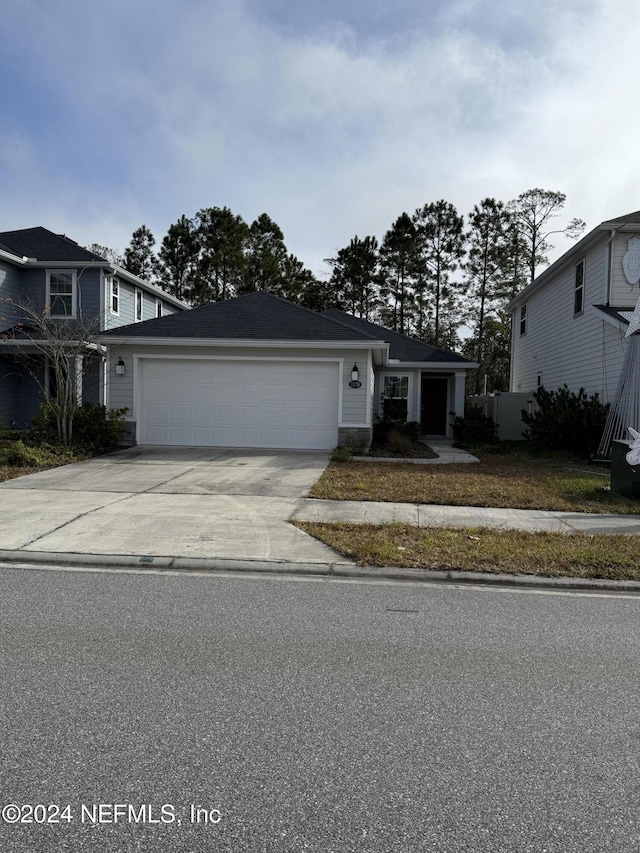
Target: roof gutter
(15,259)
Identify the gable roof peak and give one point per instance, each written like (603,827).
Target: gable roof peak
(45,245)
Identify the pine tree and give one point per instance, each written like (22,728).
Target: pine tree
(139,257)
(441,240)
(398,261)
(355,279)
(532,212)
(179,259)
(265,256)
(222,238)
(485,273)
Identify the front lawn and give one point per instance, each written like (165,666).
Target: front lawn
(575,555)
(31,459)
(8,472)
(517,480)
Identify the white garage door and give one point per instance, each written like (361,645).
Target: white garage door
(201,402)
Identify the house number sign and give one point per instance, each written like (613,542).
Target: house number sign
(355,383)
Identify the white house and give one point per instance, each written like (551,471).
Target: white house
(569,325)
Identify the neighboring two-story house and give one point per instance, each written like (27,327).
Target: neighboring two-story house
(47,274)
(577,324)
(569,324)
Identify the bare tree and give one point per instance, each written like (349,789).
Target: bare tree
(55,354)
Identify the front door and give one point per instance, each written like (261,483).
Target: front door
(433,408)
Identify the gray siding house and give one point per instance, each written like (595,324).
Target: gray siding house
(254,371)
(47,274)
(567,324)
(259,371)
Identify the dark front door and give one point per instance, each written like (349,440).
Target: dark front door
(433,409)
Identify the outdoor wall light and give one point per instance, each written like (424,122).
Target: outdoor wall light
(355,374)
(120,368)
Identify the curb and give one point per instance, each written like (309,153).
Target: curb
(329,570)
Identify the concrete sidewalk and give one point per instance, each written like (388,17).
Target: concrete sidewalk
(430,515)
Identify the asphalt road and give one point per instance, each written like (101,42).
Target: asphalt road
(319,716)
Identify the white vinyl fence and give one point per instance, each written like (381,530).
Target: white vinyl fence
(505,410)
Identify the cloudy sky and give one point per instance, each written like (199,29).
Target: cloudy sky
(333,116)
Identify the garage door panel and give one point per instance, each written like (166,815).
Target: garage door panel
(225,415)
(251,393)
(275,416)
(226,393)
(180,391)
(252,404)
(204,392)
(203,415)
(180,415)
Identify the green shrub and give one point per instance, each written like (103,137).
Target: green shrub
(385,425)
(341,454)
(475,428)
(566,421)
(11,434)
(399,443)
(21,455)
(96,429)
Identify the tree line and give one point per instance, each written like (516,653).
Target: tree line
(432,272)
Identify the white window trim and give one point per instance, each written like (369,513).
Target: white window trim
(159,308)
(523,318)
(74,295)
(137,292)
(579,287)
(112,282)
(410,391)
(406,376)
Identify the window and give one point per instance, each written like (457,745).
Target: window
(396,387)
(138,297)
(61,293)
(113,289)
(578,297)
(523,319)
(395,397)
(158,308)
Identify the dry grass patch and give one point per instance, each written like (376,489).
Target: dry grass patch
(483,550)
(513,482)
(8,472)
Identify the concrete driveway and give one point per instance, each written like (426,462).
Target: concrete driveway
(167,501)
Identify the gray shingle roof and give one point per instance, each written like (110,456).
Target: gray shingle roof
(256,316)
(44,245)
(629,219)
(401,347)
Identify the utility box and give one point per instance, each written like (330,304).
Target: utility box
(625,478)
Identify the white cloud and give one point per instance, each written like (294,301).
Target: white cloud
(331,130)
